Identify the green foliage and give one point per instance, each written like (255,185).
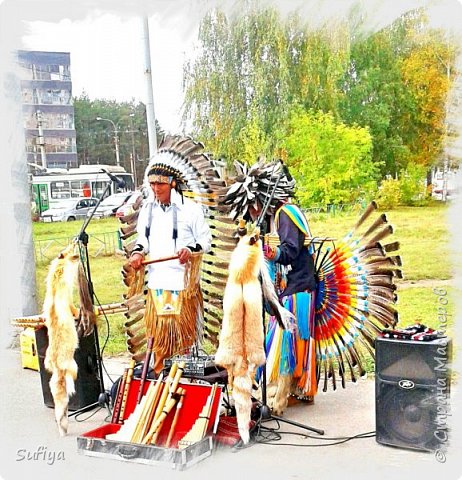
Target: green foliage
(96,139)
(412,184)
(389,193)
(408,189)
(251,142)
(253,69)
(330,161)
(250,70)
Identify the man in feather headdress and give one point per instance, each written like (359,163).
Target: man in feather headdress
(290,354)
(170,224)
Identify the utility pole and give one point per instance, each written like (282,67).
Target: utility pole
(116,137)
(152,137)
(40,139)
(133,154)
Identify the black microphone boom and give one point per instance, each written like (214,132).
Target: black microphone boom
(120,182)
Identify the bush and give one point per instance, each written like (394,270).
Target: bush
(389,195)
(408,190)
(412,185)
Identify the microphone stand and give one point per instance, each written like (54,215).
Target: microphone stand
(103,398)
(264,410)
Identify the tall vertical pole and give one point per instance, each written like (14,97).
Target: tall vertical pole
(152,137)
(41,139)
(133,154)
(116,140)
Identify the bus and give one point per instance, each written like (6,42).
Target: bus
(52,186)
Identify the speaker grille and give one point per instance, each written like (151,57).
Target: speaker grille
(423,362)
(412,379)
(87,385)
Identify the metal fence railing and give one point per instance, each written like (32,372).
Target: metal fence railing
(333,209)
(99,244)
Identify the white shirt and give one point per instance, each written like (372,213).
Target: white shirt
(192,229)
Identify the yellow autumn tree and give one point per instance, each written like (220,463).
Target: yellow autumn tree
(428,73)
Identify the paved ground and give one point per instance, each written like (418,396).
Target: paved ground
(27,428)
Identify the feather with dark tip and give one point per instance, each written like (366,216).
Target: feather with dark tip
(372,206)
(381,220)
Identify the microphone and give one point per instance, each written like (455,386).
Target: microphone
(120,183)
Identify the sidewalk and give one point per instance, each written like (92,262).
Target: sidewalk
(28,427)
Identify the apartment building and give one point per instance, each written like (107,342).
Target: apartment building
(48,109)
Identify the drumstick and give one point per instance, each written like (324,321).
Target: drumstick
(161,259)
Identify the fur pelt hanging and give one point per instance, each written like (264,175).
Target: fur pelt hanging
(241,344)
(64,322)
(241,348)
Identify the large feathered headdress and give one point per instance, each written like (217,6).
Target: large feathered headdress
(255,185)
(196,171)
(160,169)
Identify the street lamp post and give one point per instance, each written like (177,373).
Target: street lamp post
(116,138)
(133,154)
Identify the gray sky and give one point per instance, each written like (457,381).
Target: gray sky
(104,39)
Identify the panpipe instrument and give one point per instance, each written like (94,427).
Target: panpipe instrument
(272,239)
(144,372)
(181,392)
(110,309)
(144,425)
(34,321)
(37,321)
(119,397)
(127,385)
(199,428)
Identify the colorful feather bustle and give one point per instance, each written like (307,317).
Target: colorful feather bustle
(355,298)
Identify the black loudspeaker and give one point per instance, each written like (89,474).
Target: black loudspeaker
(87,386)
(412,387)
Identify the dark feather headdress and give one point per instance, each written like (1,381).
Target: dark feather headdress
(254,186)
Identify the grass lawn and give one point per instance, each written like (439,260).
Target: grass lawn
(421,231)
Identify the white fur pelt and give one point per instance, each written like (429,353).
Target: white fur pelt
(241,346)
(60,314)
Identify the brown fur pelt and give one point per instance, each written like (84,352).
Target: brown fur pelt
(241,347)
(87,317)
(60,319)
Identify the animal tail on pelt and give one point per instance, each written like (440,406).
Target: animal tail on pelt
(242,392)
(62,387)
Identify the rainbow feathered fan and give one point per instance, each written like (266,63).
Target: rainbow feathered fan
(355,297)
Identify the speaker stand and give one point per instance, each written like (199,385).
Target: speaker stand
(103,398)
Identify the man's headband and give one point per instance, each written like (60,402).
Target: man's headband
(156,178)
(164,173)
